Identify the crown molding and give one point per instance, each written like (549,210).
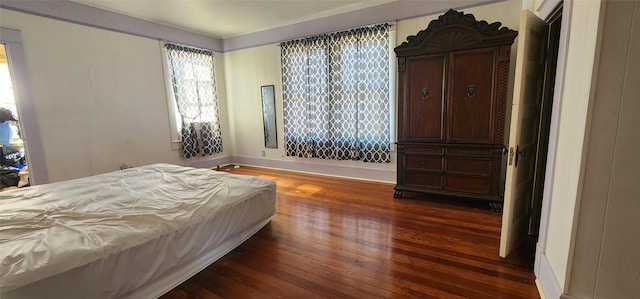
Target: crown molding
(77,13)
(72,12)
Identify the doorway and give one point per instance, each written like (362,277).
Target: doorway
(553,43)
(14,171)
(27,124)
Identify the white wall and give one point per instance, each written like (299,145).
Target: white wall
(248,69)
(605,260)
(99,96)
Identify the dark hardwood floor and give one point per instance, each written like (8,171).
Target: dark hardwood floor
(342,238)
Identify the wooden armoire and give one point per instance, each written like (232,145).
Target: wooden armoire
(452,95)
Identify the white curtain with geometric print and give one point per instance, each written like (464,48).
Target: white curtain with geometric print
(336,95)
(194,88)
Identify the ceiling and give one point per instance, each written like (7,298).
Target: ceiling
(230,18)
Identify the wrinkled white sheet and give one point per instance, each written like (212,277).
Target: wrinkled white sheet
(51,229)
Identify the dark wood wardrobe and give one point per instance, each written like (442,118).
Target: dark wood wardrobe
(452,96)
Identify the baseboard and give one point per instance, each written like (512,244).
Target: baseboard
(548,285)
(542,296)
(380,175)
(210,163)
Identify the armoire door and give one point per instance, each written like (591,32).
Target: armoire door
(471,102)
(424,114)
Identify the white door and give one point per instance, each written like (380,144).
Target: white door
(523,135)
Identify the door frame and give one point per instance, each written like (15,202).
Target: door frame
(542,267)
(30,130)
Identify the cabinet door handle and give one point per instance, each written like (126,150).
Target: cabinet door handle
(425,93)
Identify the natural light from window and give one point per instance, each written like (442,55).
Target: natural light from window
(7,99)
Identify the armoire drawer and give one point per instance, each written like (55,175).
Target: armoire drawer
(423,179)
(469,184)
(433,163)
(431,150)
(461,165)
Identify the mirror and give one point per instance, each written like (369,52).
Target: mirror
(269,116)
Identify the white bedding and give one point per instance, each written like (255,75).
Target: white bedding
(114,234)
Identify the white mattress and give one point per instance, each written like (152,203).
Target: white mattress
(119,234)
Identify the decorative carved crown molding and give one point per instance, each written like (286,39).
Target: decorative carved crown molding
(492,31)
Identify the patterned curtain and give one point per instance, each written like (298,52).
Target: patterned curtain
(194,88)
(336,95)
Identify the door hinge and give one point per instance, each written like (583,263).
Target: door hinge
(520,153)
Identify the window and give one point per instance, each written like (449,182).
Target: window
(195,100)
(336,95)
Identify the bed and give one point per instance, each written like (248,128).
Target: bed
(133,233)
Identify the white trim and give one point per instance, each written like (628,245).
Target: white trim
(77,13)
(19,71)
(542,269)
(547,281)
(370,174)
(392,87)
(540,292)
(210,163)
(70,11)
(10,36)
(547,8)
(555,119)
(387,12)
(171,99)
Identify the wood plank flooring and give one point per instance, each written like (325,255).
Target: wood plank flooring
(343,238)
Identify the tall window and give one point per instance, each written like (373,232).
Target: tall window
(336,95)
(194,90)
